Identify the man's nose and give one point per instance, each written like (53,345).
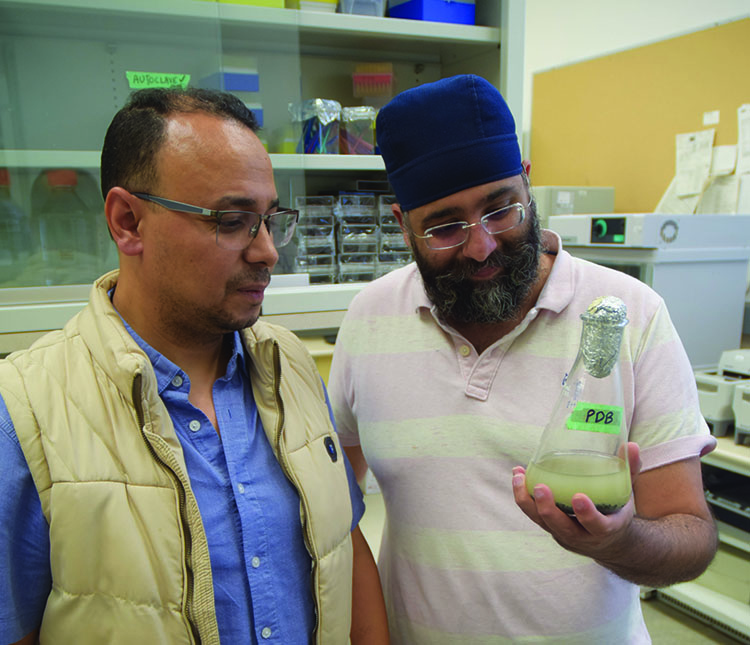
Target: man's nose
(480,244)
(261,249)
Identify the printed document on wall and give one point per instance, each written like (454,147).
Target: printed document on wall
(743,139)
(672,204)
(693,162)
(723,160)
(743,200)
(720,196)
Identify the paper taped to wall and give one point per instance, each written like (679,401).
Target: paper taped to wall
(693,162)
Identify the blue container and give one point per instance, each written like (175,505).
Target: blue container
(459,11)
(232,80)
(257,113)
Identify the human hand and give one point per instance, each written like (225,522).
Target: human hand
(590,532)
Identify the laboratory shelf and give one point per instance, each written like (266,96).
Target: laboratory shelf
(326,162)
(733,536)
(280,162)
(306,30)
(49,158)
(726,614)
(29,312)
(729,456)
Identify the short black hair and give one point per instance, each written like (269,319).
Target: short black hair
(137,131)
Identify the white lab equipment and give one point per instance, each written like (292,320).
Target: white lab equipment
(741,410)
(566,200)
(716,389)
(697,263)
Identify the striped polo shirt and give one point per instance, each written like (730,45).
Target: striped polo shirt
(442,426)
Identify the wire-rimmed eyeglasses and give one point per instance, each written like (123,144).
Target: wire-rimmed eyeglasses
(453,234)
(235,230)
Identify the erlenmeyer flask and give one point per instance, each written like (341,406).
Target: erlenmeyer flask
(583,449)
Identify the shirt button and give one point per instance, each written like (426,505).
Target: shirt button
(241,488)
(255,562)
(464,350)
(266,632)
(195,425)
(177,381)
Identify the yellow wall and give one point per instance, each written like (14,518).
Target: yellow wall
(612,121)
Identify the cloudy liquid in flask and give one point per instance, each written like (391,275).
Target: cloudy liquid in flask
(605,479)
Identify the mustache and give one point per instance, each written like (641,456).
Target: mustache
(467,267)
(255,276)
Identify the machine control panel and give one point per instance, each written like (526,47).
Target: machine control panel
(653,231)
(608,230)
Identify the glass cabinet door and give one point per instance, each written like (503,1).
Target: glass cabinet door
(65,69)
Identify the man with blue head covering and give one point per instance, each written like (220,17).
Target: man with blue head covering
(446,371)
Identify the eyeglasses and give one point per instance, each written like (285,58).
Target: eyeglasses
(448,236)
(233,228)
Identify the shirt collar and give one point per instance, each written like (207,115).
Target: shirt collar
(559,289)
(166,370)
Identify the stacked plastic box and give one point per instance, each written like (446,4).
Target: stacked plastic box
(393,252)
(357,218)
(316,239)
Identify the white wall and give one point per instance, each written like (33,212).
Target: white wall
(560,32)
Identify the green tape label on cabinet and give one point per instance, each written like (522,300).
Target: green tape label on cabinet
(594,417)
(142,80)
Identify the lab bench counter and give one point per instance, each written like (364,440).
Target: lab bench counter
(730,456)
(26,314)
(721,596)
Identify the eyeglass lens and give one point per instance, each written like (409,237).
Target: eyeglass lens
(236,226)
(456,233)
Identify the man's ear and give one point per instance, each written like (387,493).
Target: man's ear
(527,167)
(123,221)
(399,215)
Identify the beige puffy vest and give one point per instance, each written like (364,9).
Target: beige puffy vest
(129,557)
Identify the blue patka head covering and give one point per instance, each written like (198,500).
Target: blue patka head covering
(443,137)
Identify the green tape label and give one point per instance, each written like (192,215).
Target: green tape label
(594,417)
(141,80)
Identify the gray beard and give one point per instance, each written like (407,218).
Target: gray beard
(459,299)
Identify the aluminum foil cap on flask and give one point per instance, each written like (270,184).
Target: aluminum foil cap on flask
(603,324)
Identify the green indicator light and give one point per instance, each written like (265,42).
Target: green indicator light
(600,227)
(618,239)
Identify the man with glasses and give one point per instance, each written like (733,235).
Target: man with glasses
(446,372)
(170,470)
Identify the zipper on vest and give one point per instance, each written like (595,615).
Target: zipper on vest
(290,476)
(182,505)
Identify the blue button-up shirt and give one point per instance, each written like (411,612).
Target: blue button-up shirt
(250,511)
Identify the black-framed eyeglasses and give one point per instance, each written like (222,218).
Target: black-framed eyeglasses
(453,234)
(235,230)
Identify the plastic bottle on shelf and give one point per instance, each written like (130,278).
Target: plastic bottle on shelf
(70,246)
(15,236)
(584,446)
